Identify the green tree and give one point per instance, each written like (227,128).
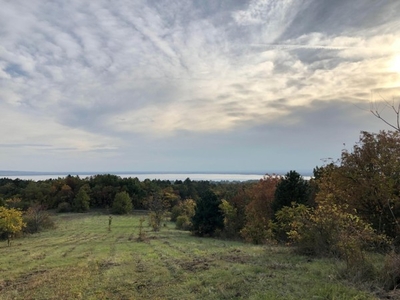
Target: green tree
(291,189)
(81,201)
(157,205)
(208,216)
(122,204)
(11,222)
(230,216)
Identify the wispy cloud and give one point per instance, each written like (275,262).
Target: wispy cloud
(90,76)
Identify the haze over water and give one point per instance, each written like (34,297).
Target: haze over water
(151,176)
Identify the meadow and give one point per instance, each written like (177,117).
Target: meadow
(83,259)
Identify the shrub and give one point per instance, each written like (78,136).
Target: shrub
(288,218)
(37,219)
(11,223)
(183,223)
(329,230)
(141,235)
(183,213)
(155,220)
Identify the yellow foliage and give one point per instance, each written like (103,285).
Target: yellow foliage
(11,221)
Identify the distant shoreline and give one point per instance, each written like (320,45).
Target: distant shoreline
(75,173)
(198,176)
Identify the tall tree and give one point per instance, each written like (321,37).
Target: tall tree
(81,201)
(207,217)
(259,210)
(292,188)
(122,204)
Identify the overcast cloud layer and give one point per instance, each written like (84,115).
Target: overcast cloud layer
(263,85)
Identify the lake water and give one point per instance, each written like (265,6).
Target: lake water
(151,176)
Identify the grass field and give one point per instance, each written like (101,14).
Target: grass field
(81,259)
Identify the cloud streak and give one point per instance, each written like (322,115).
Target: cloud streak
(91,76)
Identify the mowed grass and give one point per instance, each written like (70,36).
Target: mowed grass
(81,259)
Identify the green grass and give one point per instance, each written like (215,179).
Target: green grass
(81,259)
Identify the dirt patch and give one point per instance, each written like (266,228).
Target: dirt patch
(235,256)
(107,264)
(196,264)
(20,281)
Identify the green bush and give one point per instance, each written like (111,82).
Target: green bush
(329,230)
(183,223)
(155,220)
(286,219)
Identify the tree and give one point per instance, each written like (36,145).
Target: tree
(291,189)
(11,223)
(82,200)
(157,205)
(258,211)
(367,180)
(208,217)
(122,204)
(230,214)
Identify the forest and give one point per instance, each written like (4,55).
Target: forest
(349,209)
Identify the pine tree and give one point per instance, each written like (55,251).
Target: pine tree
(208,216)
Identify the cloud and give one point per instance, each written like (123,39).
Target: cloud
(91,77)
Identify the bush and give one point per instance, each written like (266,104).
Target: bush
(11,223)
(286,219)
(37,219)
(64,207)
(329,230)
(183,223)
(155,220)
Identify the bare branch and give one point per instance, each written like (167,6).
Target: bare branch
(377,113)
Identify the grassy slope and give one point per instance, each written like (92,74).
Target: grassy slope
(81,259)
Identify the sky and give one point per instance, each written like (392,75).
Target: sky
(192,86)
